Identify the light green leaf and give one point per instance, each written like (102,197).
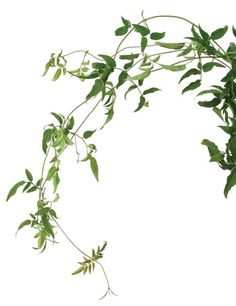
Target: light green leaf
(60,118)
(47,135)
(217,34)
(56,182)
(47,225)
(81,269)
(57,74)
(94,166)
(129,56)
(231,181)
(51,173)
(141,76)
(14,189)
(174,46)
(23,224)
(174,68)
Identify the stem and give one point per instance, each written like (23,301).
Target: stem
(82,51)
(82,252)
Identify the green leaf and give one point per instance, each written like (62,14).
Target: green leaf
(190,72)
(141,29)
(59,117)
(217,34)
(232,146)
(27,186)
(212,147)
(150,90)
(81,269)
(14,189)
(132,87)
(185,51)
(208,91)
(234,31)
(51,172)
(175,46)
(94,166)
(57,74)
(227,129)
(32,189)
(142,103)
(71,123)
(231,181)
(144,42)
(122,78)
(96,89)
(217,157)
(56,182)
(47,66)
(110,115)
(126,22)
(129,56)
(208,66)
(88,134)
(192,86)
(141,76)
(47,135)
(121,31)
(23,224)
(29,175)
(174,68)
(103,247)
(47,225)
(213,103)
(111,63)
(157,35)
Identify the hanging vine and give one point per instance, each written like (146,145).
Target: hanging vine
(129,67)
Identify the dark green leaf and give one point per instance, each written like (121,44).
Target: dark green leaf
(214,102)
(132,87)
(190,72)
(29,175)
(126,22)
(142,103)
(103,247)
(227,129)
(208,66)
(174,68)
(32,189)
(71,123)
(88,134)
(217,34)
(144,42)
(232,146)
(14,189)
(47,135)
(175,46)
(122,78)
(121,31)
(99,66)
(150,90)
(59,117)
(192,86)
(27,186)
(141,29)
(234,31)
(94,166)
(212,148)
(204,92)
(57,74)
(111,63)
(231,181)
(96,89)
(157,35)
(110,115)
(204,34)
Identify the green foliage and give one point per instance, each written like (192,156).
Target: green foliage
(129,67)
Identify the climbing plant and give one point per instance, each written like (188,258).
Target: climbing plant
(129,67)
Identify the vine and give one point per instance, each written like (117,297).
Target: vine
(197,54)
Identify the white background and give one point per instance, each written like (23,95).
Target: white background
(159,203)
